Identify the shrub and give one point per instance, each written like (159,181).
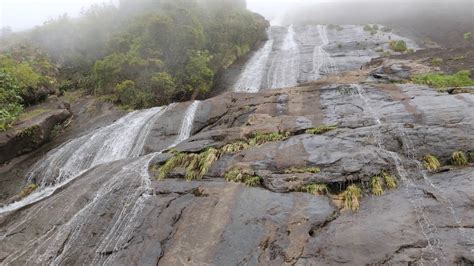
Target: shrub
(130,96)
(315,189)
(320,130)
(431,162)
(296,170)
(352,196)
(460,79)
(398,46)
(459,158)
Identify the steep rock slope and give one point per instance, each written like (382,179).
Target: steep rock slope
(118,213)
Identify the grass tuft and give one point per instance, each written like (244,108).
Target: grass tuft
(459,158)
(262,138)
(431,163)
(390,181)
(376,185)
(320,130)
(296,170)
(28,190)
(399,46)
(240,175)
(437,61)
(315,189)
(352,196)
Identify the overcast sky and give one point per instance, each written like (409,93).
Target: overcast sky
(24,14)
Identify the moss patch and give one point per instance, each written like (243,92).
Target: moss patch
(320,130)
(301,170)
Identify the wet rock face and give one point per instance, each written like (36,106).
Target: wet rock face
(117,214)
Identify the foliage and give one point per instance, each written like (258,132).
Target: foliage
(320,130)
(235,147)
(241,175)
(398,46)
(301,170)
(431,162)
(352,196)
(460,79)
(130,96)
(315,189)
(10,100)
(372,29)
(459,158)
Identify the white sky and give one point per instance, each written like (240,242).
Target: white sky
(24,14)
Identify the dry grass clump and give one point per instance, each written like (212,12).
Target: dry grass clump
(459,158)
(315,189)
(240,175)
(351,197)
(431,162)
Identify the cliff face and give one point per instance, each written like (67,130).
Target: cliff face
(336,134)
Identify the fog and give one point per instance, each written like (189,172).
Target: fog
(24,14)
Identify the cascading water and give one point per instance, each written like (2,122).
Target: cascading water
(250,80)
(322,61)
(120,140)
(428,228)
(284,68)
(133,179)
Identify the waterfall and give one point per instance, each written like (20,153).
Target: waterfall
(322,61)
(284,68)
(250,80)
(132,178)
(428,228)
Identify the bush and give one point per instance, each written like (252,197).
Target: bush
(398,46)
(130,96)
(10,100)
(460,79)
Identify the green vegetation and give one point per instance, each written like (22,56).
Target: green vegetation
(301,170)
(383,181)
(437,61)
(372,29)
(31,114)
(320,130)
(468,36)
(240,175)
(460,79)
(138,53)
(386,54)
(457,58)
(28,190)
(398,46)
(376,185)
(195,164)
(459,158)
(262,138)
(315,189)
(351,197)
(431,162)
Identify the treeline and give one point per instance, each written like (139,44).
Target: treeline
(139,53)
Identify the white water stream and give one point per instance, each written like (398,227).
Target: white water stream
(322,60)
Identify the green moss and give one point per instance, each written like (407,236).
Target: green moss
(300,170)
(320,130)
(459,158)
(460,79)
(398,46)
(437,61)
(431,162)
(351,197)
(315,189)
(240,175)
